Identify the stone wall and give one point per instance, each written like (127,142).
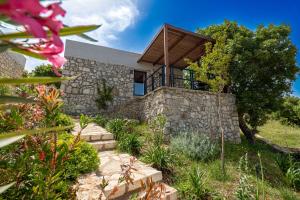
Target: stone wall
(80,93)
(9,67)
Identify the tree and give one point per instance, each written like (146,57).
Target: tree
(214,72)
(261,68)
(45,70)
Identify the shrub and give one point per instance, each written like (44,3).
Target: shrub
(289,112)
(105,95)
(116,127)
(4,90)
(63,120)
(33,175)
(100,120)
(130,143)
(244,190)
(46,70)
(284,162)
(159,157)
(293,175)
(195,146)
(83,159)
(121,126)
(195,187)
(10,121)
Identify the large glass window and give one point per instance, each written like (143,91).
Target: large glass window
(139,80)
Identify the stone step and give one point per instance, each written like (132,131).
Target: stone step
(97,136)
(104,145)
(171,193)
(110,170)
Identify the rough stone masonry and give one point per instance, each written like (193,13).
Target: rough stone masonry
(185,110)
(11,65)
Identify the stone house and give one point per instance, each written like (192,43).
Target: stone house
(148,84)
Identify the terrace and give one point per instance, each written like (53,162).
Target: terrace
(167,53)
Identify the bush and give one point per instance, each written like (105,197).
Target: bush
(4,90)
(159,157)
(46,70)
(116,127)
(130,143)
(293,176)
(100,120)
(83,159)
(33,175)
(63,120)
(195,187)
(195,146)
(11,121)
(119,127)
(284,162)
(289,112)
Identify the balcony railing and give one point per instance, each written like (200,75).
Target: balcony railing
(178,78)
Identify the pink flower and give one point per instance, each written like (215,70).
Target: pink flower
(37,20)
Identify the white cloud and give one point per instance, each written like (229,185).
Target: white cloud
(115,16)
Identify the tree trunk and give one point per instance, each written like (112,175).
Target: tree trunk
(222,136)
(249,134)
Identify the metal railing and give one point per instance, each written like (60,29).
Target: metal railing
(178,78)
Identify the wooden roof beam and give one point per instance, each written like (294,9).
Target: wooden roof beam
(171,48)
(187,52)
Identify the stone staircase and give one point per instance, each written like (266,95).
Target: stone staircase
(88,187)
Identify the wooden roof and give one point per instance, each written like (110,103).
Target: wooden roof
(181,44)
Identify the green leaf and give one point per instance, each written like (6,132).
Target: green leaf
(11,137)
(33,80)
(84,36)
(10,140)
(14,99)
(63,32)
(27,53)
(5,187)
(78,30)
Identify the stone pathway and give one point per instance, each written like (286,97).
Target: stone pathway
(110,169)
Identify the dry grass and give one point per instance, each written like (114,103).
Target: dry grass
(283,135)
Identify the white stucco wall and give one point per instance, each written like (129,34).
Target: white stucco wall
(105,55)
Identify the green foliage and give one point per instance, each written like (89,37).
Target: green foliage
(10,121)
(293,175)
(244,190)
(289,112)
(130,143)
(34,175)
(197,184)
(4,90)
(105,95)
(46,71)
(261,65)
(100,120)
(196,146)
(116,127)
(286,194)
(63,120)
(159,157)
(284,162)
(83,159)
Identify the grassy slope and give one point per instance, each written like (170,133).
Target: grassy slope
(275,183)
(280,134)
(276,186)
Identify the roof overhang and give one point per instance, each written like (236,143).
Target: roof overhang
(181,45)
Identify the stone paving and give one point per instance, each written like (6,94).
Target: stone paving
(88,186)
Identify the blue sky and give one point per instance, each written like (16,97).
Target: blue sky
(131,24)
